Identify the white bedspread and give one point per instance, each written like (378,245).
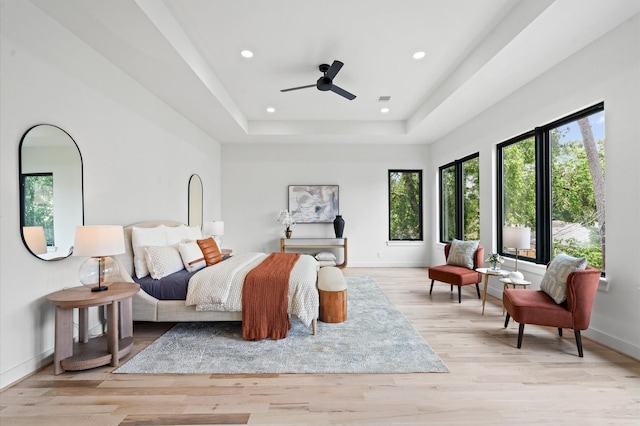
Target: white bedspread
(219,287)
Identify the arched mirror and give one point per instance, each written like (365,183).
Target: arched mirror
(195,201)
(51,191)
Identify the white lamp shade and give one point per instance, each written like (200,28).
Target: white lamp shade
(516,237)
(213,228)
(34,237)
(100,240)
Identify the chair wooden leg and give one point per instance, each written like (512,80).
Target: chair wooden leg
(578,342)
(431,289)
(520,334)
(459,294)
(559,331)
(451,287)
(478,290)
(506,320)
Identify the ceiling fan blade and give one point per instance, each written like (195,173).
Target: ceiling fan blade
(342,92)
(333,70)
(297,88)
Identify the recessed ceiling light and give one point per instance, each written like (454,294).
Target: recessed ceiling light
(384,110)
(418,55)
(247,53)
(271,110)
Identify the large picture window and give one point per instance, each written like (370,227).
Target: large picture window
(405,205)
(552,180)
(460,199)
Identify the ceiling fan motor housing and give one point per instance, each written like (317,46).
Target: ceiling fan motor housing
(324,84)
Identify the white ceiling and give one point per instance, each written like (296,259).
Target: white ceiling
(187,52)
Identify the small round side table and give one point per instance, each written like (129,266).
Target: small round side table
(486,272)
(91,353)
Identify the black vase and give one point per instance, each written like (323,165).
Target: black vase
(338,226)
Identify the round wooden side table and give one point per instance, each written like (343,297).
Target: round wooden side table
(486,272)
(95,352)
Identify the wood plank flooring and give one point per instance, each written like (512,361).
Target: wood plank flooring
(491,381)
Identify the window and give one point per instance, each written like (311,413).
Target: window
(405,205)
(37,199)
(460,199)
(552,180)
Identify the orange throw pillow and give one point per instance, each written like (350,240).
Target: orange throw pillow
(210,251)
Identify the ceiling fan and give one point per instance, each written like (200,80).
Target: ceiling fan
(325,82)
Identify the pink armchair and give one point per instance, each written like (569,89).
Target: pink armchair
(536,307)
(458,275)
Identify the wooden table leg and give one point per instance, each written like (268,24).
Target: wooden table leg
(112,332)
(484,295)
(83,325)
(63,346)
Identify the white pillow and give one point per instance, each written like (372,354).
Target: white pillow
(192,256)
(176,234)
(324,263)
(142,237)
(194,233)
(163,261)
(325,255)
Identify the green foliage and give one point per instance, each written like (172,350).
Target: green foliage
(471,200)
(448,177)
(405,205)
(519,183)
(572,192)
(38,203)
(471,195)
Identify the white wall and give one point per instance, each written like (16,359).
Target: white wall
(256,179)
(607,70)
(138,156)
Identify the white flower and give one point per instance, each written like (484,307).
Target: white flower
(286,219)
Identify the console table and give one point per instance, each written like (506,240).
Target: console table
(91,353)
(316,243)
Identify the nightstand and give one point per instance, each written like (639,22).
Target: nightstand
(98,351)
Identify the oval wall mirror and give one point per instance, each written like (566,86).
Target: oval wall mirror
(195,201)
(51,191)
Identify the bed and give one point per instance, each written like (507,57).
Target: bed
(303,296)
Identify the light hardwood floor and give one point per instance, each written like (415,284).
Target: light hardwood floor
(491,381)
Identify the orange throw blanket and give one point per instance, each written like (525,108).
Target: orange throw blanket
(265,298)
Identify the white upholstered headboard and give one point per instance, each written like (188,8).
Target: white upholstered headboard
(125,260)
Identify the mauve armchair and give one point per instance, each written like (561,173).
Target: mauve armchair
(458,275)
(536,307)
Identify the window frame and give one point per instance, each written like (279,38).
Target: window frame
(421,203)
(543,190)
(458,196)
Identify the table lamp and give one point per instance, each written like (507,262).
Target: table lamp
(98,242)
(518,238)
(214,229)
(34,237)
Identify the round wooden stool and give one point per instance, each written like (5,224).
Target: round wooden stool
(332,289)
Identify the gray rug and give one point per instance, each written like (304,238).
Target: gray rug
(376,338)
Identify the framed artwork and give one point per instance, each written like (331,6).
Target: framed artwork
(314,203)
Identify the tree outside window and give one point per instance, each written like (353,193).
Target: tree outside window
(405,205)
(460,199)
(37,193)
(552,180)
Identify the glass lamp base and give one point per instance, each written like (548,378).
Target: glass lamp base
(98,273)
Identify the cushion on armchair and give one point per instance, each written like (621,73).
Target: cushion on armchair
(462,253)
(554,282)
